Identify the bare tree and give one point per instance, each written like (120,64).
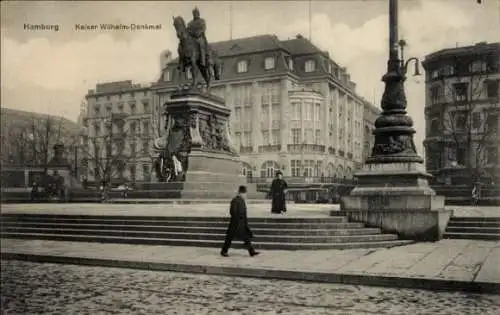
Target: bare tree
(469,114)
(31,142)
(107,152)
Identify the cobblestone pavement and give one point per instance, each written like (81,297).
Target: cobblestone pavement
(31,288)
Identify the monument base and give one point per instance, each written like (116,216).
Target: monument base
(200,123)
(396,197)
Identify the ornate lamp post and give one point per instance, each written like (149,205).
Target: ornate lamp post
(394,128)
(392,190)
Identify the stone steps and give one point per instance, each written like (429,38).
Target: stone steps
(476,228)
(270,233)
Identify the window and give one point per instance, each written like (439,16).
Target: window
(460,90)
(145,147)
(290,64)
(434,74)
(478,66)
(269,169)
(460,120)
(296,111)
(133,172)
(435,126)
(329,67)
(167,76)
(133,149)
(133,127)
(97,111)
(492,122)
(435,94)
(242,66)
(317,112)
(146,107)
(269,63)
(309,111)
(237,113)
(275,113)
(308,168)
(97,129)
(461,156)
(145,127)
(264,114)
(145,172)
(296,135)
(247,139)
(120,108)
(476,120)
(492,88)
(189,76)
(310,66)
(317,136)
(265,137)
(295,168)
(275,137)
(132,108)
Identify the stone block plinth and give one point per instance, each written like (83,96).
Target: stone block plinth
(396,197)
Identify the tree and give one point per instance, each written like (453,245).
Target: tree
(30,141)
(468,117)
(106,153)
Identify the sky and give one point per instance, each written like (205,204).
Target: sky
(50,72)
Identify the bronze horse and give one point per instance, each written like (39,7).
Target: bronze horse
(190,56)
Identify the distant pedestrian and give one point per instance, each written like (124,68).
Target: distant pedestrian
(35,192)
(278,193)
(238,224)
(475,195)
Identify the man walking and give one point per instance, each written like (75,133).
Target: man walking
(238,225)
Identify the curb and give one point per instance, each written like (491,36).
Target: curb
(322,277)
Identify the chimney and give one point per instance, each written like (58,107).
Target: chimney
(165,58)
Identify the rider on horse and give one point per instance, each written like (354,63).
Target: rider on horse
(196,29)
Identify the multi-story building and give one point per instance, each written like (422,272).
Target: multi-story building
(462,114)
(119,122)
(294,109)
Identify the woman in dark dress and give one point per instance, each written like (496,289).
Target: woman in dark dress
(278,192)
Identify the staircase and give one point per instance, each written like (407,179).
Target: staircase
(270,233)
(477,228)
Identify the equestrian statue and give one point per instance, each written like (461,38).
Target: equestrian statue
(195,54)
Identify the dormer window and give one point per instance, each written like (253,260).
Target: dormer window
(167,76)
(242,66)
(269,63)
(310,66)
(329,67)
(290,64)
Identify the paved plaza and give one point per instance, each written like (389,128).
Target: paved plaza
(30,288)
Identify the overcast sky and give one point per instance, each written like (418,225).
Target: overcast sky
(50,72)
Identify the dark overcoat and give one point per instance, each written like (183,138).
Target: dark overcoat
(238,224)
(278,195)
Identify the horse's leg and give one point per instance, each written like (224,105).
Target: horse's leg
(193,72)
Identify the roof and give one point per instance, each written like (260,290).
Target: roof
(247,45)
(478,48)
(300,46)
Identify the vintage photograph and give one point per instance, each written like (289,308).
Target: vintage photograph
(250,157)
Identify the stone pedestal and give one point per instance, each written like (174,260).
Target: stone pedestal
(198,125)
(396,197)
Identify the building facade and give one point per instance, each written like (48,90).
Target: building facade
(293,108)
(120,131)
(462,114)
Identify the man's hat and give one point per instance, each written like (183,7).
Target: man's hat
(195,10)
(242,189)
(279,173)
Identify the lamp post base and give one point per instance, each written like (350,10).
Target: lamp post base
(396,197)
